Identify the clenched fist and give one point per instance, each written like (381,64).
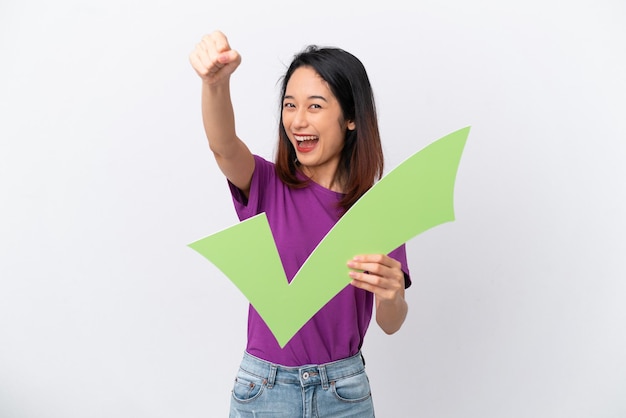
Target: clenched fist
(213,59)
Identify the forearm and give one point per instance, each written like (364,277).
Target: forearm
(390,314)
(219,119)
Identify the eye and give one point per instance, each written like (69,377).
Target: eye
(288,105)
(316,106)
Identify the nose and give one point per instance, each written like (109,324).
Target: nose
(299,119)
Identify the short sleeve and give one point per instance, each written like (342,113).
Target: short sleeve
(251,206)
(400,255)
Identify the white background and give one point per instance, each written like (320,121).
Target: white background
(517,308)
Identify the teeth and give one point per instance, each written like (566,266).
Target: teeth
(305,138)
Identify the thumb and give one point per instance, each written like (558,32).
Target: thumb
(229,57)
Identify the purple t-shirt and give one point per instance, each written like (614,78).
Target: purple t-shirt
(299,219)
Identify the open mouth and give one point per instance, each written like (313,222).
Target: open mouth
(306,143)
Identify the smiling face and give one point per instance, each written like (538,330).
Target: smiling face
(315,125)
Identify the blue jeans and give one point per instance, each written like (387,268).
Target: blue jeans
(337,389)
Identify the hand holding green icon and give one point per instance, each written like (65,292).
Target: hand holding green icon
(419,195)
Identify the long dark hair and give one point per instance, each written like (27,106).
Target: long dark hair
(362,159)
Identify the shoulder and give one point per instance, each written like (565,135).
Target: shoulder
(263,167)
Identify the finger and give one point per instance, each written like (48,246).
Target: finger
(377,258)
(208,49)
(373,284)
(197,63)
(220,41)
(373,267)
(215,44)
(365,286)
(377,275)
(366,278)
(206,54)
(214,61)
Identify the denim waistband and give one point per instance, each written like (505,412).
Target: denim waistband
(307,375)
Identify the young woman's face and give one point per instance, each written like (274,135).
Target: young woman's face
(314,123)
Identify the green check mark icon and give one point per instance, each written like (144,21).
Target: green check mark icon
(415,196)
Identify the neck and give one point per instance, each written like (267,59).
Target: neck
(330,181)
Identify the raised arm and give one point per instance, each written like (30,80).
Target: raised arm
(215,61)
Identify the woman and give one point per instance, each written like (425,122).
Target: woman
(329,154)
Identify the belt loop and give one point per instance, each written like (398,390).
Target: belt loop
(323,377)
(272,377)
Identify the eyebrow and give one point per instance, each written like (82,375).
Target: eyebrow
(308,98)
